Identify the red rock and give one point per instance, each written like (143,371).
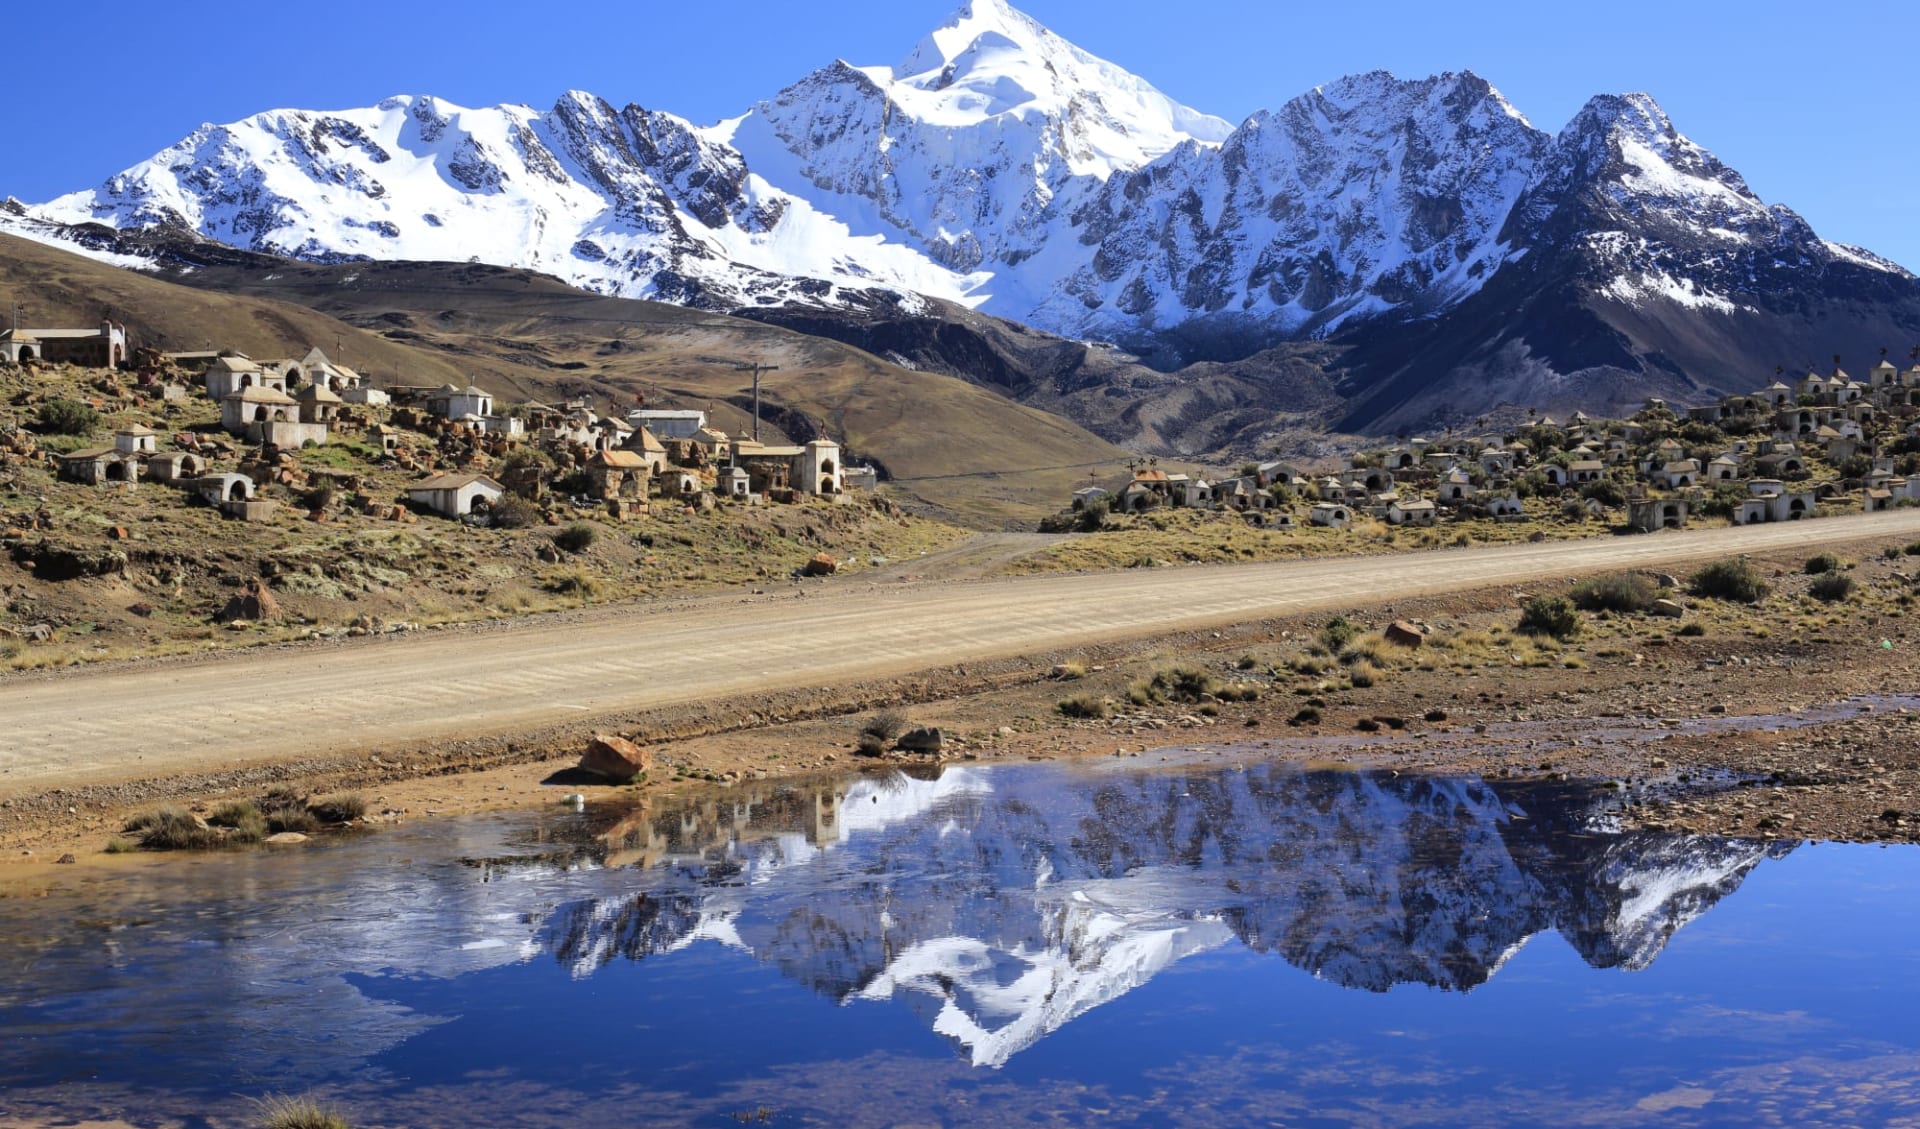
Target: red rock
(1403,634)
(254,604)
(821,564)
(615,758)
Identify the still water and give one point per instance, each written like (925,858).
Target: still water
(1154,944)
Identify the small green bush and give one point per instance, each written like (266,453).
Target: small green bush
(341,807)
(870,746)
(1730,579)
(886,725)
(66,417)
(1912,550)
(292,817)
(575,538)
(511,511)
(244,822)
(1084,706)
(1623,592)
(1822,563)
(1177,684)
(171,829)
(573,582)
(1337,634)
(1831,587)
(1552,616)
(279,1111)
(1308,715)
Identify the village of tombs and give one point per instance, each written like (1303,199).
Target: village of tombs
(175,503)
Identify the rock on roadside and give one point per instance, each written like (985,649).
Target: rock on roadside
(615,758)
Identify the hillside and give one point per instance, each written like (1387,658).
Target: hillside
(952,449)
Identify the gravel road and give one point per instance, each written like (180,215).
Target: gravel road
(387,694)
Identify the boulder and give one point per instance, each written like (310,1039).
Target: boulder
(615,758)
(923,740)
(821,564)
(255,603)
(1403,634)
(1668,608)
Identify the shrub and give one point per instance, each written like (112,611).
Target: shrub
(244,822)
(1912,550)
(1552,616)
(1309,665)
(341,807)
(1692,630)
(1822,563)
(886,725)
(1308,715)
(1086,706)
(171,829)
(576,538)
(1622,592)
(291,817)
(1092,518)
(869,746)
(66,417)
(1605,491)
(278,1111)
(1831,587)
(525,457)
(1337,634)
(573,582)
(1730,579)
(1363,674)
(1180,684)
(511,511)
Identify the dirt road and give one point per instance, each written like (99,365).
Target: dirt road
(137,721)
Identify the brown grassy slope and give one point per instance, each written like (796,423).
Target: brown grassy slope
(963,452)
(957,451)
(58,289)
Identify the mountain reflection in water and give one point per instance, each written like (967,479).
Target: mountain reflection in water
(952,937)
(1001,904)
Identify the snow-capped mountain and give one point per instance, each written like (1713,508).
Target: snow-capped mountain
(1472,257)
(1001,905)
(1364,197)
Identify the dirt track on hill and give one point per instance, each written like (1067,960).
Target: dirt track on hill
(394,693)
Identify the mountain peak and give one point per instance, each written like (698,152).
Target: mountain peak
(989,58)
(1635,115)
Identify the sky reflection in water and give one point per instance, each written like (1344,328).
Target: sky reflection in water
(1054,944)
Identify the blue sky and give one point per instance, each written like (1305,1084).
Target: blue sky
(1814,102)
